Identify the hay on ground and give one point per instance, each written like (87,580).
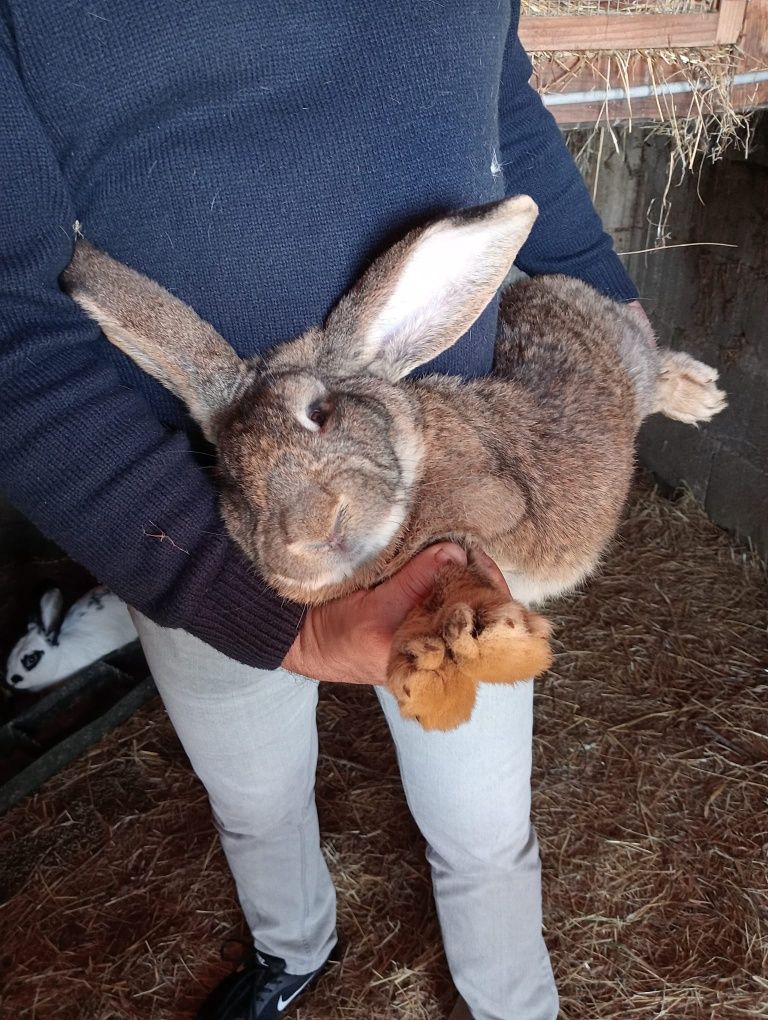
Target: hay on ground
(650,788)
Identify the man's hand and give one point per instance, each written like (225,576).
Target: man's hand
(349,640)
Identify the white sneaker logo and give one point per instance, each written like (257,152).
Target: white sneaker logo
(282,1003)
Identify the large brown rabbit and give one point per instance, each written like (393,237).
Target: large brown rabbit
(336,469)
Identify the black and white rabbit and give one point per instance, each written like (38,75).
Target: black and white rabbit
(58,643)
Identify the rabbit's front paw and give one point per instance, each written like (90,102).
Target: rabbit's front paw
(441,653)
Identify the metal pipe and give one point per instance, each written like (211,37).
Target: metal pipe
(644,91)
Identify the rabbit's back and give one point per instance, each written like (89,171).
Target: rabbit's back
(570,345)
(579,366)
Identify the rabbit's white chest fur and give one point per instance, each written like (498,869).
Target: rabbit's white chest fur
(533,592)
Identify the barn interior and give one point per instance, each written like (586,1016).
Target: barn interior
(651,741)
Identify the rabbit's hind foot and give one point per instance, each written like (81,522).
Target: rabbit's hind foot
(473,634)
(686,389)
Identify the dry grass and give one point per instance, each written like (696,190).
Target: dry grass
(650,792)
(701,124)
(704,127)
(553,8)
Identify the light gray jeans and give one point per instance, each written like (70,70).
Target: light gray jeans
(252,739)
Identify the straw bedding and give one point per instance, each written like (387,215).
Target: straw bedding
(650,790)
(573,8)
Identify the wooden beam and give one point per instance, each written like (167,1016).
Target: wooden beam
(731,18)
(632,31)
(564,73)
(753,41)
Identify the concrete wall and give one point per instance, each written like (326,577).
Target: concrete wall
(711,302)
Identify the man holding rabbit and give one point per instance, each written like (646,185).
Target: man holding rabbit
(254,159)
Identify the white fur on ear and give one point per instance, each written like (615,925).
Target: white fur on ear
(51,611)
(118,334)
(437,270)
(445,281)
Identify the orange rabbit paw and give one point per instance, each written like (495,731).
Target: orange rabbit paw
(445,647)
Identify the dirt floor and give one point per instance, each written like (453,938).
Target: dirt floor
(650,803)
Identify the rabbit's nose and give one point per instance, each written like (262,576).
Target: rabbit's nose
(318,521)
(335,538)
(335,542)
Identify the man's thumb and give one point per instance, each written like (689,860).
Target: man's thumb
(413,583)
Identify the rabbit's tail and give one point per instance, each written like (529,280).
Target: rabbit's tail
(686,389)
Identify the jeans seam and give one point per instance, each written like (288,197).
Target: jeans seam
(304,891)
(302,833)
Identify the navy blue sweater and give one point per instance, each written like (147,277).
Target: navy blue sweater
(253,158)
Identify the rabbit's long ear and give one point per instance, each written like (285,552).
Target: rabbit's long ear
(164,336)
(425,292)
(50,614)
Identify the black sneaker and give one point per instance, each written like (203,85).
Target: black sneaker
(260,990)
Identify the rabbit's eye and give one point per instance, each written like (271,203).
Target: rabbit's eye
(31,659)
(319,414)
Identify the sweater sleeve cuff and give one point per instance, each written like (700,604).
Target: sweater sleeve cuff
(609,276)
(243,618)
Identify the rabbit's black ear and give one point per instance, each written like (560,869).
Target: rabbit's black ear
(425,292)
(162,334)
(51,614)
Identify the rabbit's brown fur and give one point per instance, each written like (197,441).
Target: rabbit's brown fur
(336,469)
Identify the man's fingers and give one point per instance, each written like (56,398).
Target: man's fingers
(411,585)
(483,562)
(414,582)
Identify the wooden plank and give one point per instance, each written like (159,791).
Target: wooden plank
(753,41)
(625,31)
(731,18)
(574,73)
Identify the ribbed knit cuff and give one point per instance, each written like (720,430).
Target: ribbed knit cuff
(609,276)
(243,618)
